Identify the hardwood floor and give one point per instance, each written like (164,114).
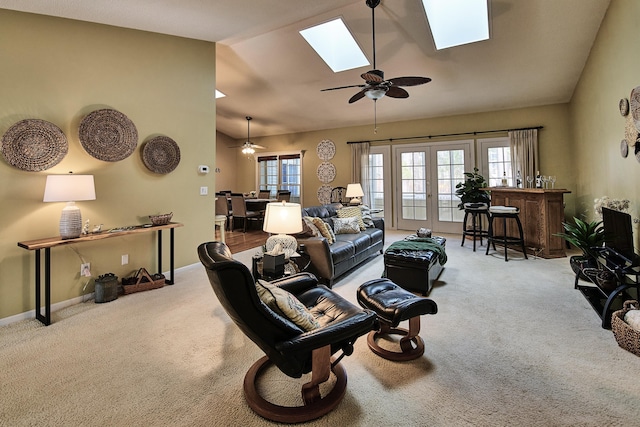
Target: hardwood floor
(239,241)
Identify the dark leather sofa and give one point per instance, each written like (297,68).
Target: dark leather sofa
(331,261)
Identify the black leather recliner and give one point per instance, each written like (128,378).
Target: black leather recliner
(294,351)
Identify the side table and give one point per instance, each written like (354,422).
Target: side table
(298,263)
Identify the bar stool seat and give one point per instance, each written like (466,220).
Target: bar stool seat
(506,213)
(476,210)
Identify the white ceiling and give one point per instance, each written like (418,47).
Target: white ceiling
(536,53)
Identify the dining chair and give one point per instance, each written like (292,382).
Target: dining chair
(222,208)
(264,194)
(284,195)
(239,208)
(338,195)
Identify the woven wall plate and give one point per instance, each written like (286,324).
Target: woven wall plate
(326,150)
(161,154)
(634,106)
(108,135)
(630,131)
(326,172)
(623,105)
(34,145)
(324,194)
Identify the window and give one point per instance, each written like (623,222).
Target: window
(496,161)
(281,172)
(376,180)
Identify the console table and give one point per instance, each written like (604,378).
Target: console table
(51,242)
(541,214)
(605,299)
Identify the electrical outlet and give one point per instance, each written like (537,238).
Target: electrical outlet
(125,259)
(204,191)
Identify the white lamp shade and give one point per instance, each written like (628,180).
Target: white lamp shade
(354,190)
(69,188)
(283,218)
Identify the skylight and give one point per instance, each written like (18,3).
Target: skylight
(219,94)
(457,22)
(335,45)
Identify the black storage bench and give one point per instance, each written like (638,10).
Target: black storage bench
(414,263)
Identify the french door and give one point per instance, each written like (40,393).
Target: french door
(426,178)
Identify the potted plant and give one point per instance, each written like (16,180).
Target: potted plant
(470,191)
(585,236)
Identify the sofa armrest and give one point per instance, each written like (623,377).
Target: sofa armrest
(379,223)
(320,254)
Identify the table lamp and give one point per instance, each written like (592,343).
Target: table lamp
(69,188)
(355,192)
(281,219)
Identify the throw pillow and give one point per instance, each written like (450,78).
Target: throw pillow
(284,303)
(325,231)
(366,216)
(306,231)
(309,221)
(352,211)
(346,225)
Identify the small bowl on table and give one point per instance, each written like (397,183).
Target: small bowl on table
(163,219)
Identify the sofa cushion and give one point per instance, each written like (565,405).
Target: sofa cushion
(342,249)
(346,225)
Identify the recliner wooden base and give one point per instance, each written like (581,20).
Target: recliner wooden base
(314,406)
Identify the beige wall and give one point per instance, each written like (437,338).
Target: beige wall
(59,70)
(554,140)
(226,162)
(610,74)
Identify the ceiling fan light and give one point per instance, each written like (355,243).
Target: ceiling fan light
(375,94)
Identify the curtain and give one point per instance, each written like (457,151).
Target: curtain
(524,153)
(360,170)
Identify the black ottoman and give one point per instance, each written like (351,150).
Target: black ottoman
(414,270)
(393,305)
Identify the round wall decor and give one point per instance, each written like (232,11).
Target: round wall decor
(326,172)
(161,154)
(324,194)
(326,150)
(630,131)
(624,148)
(623,105)
(34,145)
(108,135)
(634,106)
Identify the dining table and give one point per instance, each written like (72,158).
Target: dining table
(257,205)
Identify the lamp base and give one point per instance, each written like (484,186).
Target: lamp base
(70,221)
(288,243)
(355,201)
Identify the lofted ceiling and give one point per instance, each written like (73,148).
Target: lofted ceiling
(535,56)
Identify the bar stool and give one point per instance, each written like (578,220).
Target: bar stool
(505,212)
(476,210)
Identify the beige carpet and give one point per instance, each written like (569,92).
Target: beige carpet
(512,344)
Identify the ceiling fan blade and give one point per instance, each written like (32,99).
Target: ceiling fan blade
(409,81)
(373,76)
(341,87)
(356,97)
(397,92)
(257,146)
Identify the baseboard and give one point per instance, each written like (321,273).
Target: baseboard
(31,314)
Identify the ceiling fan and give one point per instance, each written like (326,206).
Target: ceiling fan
(376,86)
(248,148)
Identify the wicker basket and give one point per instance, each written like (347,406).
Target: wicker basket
(627,337)
(161,219)
(142,281)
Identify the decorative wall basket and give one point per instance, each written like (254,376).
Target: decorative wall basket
(326,172)
(108,135)
(326,150)
(324,194)
(634,107)
(34,145)
(161,154)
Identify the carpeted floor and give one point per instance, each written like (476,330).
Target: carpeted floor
(513,344)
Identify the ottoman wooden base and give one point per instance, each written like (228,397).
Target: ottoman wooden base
(393,305)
